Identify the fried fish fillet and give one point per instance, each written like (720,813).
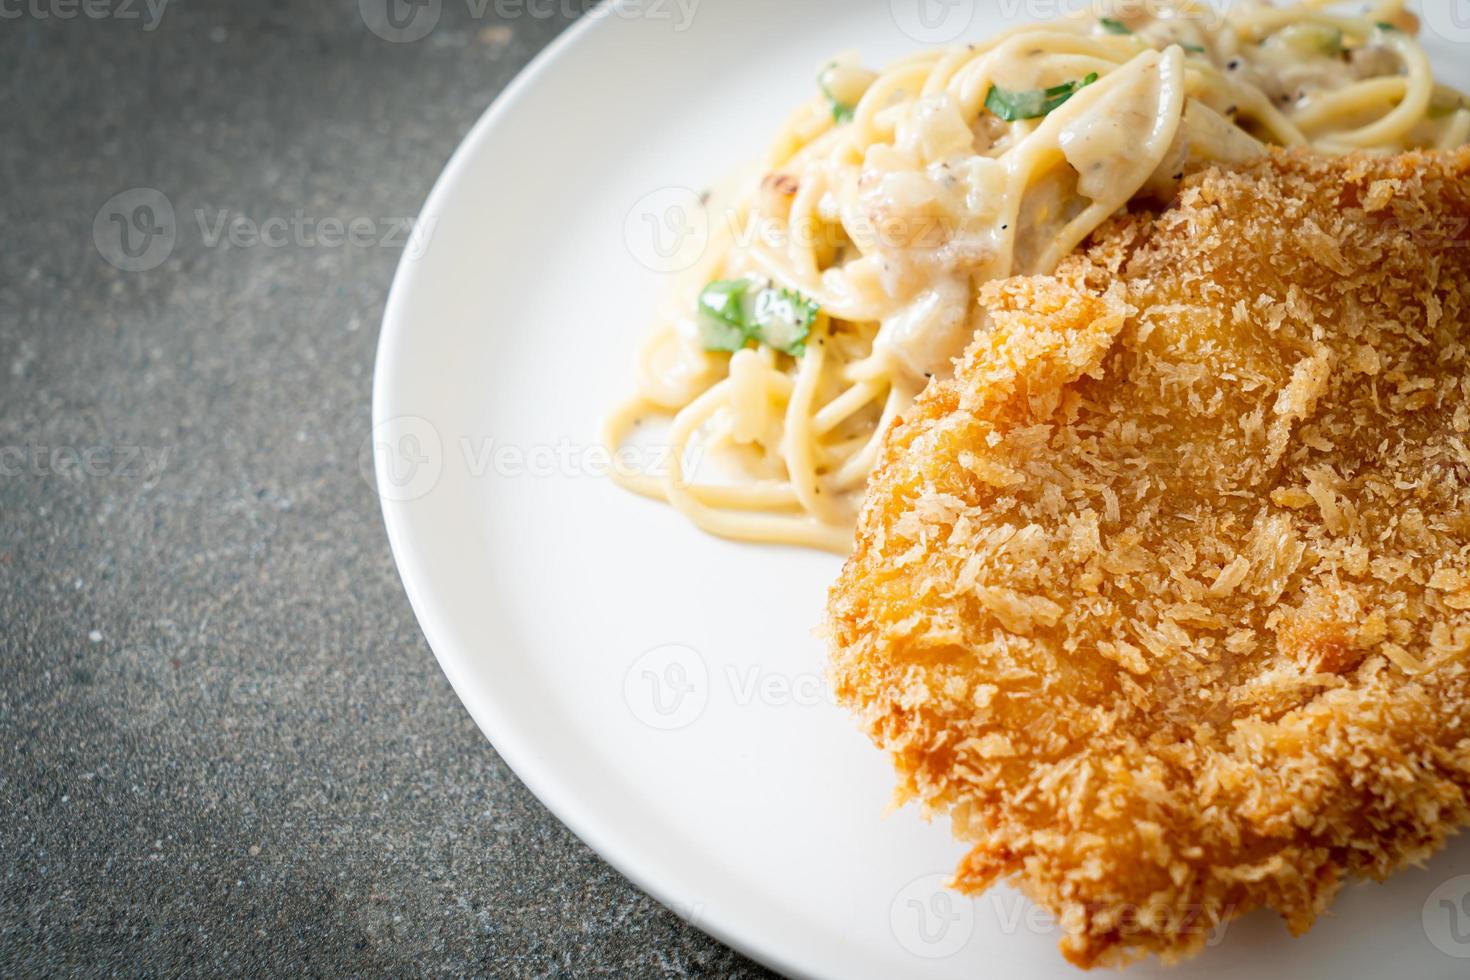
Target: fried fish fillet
(1165,597)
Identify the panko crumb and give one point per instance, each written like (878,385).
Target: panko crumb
(1165,597)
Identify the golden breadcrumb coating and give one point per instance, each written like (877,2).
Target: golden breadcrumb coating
(1165,597)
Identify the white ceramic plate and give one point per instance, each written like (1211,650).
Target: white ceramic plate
(658,689)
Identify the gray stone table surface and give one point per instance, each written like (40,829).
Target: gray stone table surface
(224,744)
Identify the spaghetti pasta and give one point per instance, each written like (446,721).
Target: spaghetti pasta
(841,274)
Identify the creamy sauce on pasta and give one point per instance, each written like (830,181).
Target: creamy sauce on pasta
(893,196)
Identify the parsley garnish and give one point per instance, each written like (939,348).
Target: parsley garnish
(783,319)
(1035,103)
(734,312)
(722,320)
(1115,26)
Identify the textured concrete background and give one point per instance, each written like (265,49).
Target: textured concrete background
(224,745)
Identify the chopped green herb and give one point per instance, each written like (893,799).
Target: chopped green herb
(734,312)
(1115,26)
(1384,25)
(1195,48)
(783,319)
(1035,103)
(722,316)
(841,112)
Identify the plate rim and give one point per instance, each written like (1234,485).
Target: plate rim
(735,928)
(487,715)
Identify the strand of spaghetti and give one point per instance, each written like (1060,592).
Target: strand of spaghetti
(841,408)
(875,365)
(740,525)
(760,494)
(1150,153)
(764,494)
(806,229)
(615,429)
(797,445)
(756,495)
(1252,103)
(667,390)
(877,97)
(923,147)
(1332,107)
(855,473)
(838,305)
(939,78)
(1457,131)
(1256,23)
(1042,151)
(1106,53)
(832,456)
(1411,110)
(977,55)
